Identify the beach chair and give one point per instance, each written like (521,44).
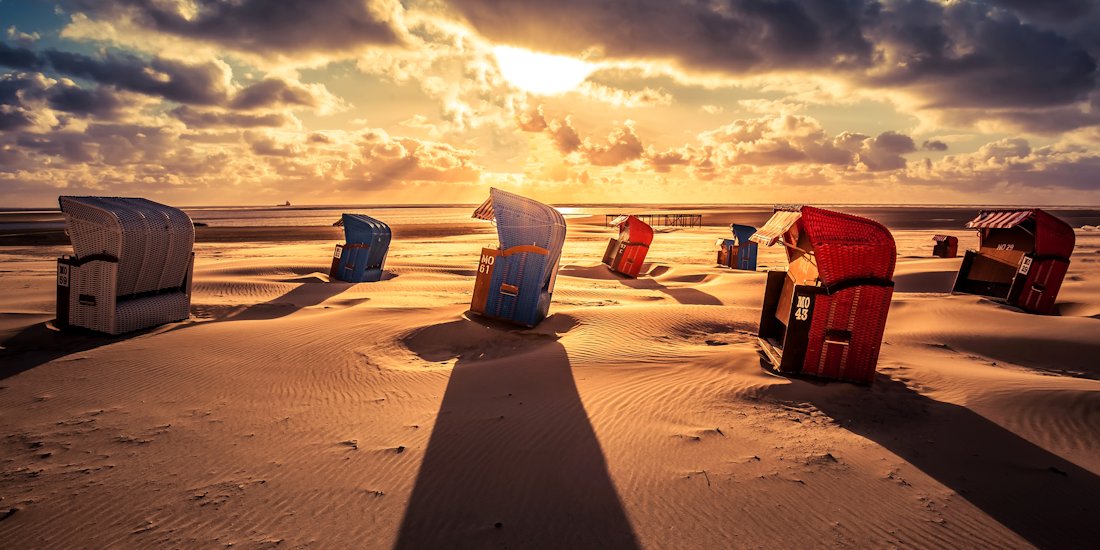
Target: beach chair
(824,316)
(516,280)
(362,256)
(131,267)
(738,252)
(946,246)
(626,254)
(1022,258)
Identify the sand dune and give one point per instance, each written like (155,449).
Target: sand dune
(291,411)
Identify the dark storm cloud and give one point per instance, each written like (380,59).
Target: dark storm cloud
(260,26)
(736,35)
(18,58)
(201,84)
(964,55)
(98,102)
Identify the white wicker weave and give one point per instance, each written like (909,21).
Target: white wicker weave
(144,275)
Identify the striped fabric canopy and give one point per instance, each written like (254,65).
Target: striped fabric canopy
(779,223)
(485,211)
(998,219)
(618,221)
(940,238)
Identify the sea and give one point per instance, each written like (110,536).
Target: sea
(893,216)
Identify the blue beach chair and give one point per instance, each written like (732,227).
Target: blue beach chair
(361,258)
(739,252)
(516,280)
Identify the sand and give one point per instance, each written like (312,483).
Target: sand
(295,412)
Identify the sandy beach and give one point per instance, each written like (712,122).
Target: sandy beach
(291,411)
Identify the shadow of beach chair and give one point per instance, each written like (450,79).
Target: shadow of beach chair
(131,267)
(515,281)
(362,257)
(825,315)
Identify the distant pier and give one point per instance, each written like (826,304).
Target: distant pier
(662,220)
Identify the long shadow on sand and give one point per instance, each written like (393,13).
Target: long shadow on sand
(1042,497)
(300,297)
(40,343)
(513,461)
(684,295)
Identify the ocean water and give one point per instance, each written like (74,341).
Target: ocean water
(893,216)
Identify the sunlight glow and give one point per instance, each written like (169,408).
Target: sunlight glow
(541,73)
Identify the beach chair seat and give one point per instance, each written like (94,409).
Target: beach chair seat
(825,315)
(738,252)
(627,253)
(131,268)
(515,280)
(362,256)
(1022,258)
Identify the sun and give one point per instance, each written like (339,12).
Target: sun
(541,73)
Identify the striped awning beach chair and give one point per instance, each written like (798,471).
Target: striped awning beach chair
(131,267)
(1022,258)
(515,281)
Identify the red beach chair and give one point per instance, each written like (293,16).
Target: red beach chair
(626,254)
(946,246)
(1022,257)
(825,315)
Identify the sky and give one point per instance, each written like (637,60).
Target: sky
(243,102)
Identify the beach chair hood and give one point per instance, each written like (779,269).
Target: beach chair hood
(846,247)
(1053,237)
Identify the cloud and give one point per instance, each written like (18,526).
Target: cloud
(19,58)
(621,146)
(933,145)
(276,92)
(979,60)
(885,151)
(200,84)
(282,29)
(564,136)
(198,118)
(386,160)
(738,36)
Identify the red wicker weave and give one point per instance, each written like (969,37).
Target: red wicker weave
(855,260)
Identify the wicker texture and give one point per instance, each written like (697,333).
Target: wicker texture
(848,247)
(524,222)
(363,258)
(144,274)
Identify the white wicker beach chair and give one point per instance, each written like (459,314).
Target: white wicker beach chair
(131,268)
